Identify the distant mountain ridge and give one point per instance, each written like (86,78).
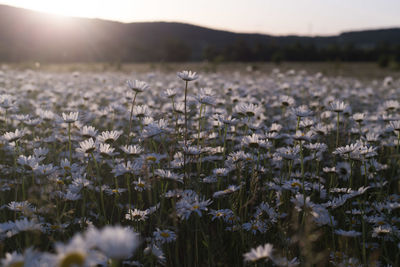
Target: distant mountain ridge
(30,35)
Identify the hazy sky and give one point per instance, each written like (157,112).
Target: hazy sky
(279,17)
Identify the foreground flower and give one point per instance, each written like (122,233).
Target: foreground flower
(116,242)
(13,259)
(76,253)
(261,252)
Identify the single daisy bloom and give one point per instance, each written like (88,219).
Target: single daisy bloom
(109,136)
(167,174)
(359,117)
(302,111)
(137,86)
(141,185)
(249,110)
(106,150)
(338,106)
(141,111)
(88,131)
(71,117)
(13,136)
(116,242)
(261,252)
(164,236)
(170,93)
(87,146)
(136,215)
(76,253)
(130,150)
(188,75)
(286,100)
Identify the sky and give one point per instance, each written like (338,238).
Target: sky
(277,17)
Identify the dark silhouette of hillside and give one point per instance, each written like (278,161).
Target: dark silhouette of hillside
(27,35)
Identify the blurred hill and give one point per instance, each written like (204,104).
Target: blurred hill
(27,35)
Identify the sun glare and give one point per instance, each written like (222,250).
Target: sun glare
(87,8)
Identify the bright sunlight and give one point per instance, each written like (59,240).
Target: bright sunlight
(88,8)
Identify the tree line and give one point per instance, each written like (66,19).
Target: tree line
(237,51)
(241,51)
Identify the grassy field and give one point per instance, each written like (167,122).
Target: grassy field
(229,165)
(358,70)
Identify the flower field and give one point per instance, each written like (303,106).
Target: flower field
(281,168)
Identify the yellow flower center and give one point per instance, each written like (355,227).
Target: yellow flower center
(294,184)
(151,158)
(195,207)
(164,234)
(338,254)
(73,259)
(17,264)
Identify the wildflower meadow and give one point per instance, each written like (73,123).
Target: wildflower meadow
(241,168)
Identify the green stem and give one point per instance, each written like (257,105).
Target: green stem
(337,130)
(186,127)
(225,132)
(298,123)
(69,143)
(99,184)
(366,174)
(129,191)
(351,175)
(130,118)
(176,116)
(115,263)
(199,127)
(5,120)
